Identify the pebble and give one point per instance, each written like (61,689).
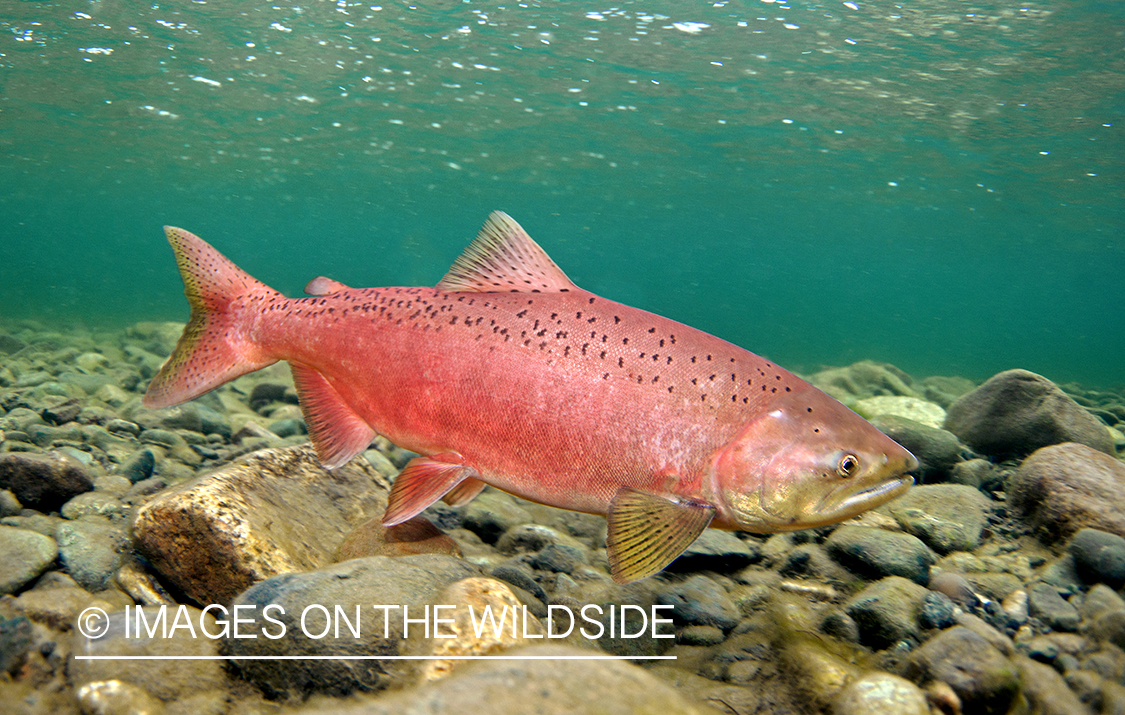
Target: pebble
(700,601)
(887,611)
(1099,557)
(16,640)
(114,697)
(1064,488)
(138,466)
(24,554)
(717,550)
(881,694)
(1045,603)
(92,504)
(493,513)
(982,677)
(864,379)
(1017,412)
(9,505)
(1045,689)
(90,549)
(276,512)
(410,581)
(937,611)
(43,482)
(936,449)
(911,408)
(874,553)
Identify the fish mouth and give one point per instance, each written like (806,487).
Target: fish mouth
(867,498)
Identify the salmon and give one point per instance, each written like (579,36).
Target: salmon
(508,374)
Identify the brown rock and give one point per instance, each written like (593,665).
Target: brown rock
(1016,412)
(416,536)
(1066,487)
(276,512)
(43,482)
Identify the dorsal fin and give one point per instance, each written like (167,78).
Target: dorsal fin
(504,259)
(322,285)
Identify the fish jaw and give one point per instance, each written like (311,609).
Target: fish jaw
(808,462)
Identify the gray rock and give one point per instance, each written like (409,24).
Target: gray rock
(545,685)
(700,601)
(717,550)
(937,611)
(43,482)
(886,612)
(1099,557)
(91,550)
(558,558)
(1066,487)
(864,379)
(1045,603)
(138,466)
(936,449)
(92,504)
(24,555)
(945,390)
(520,578)
(1045,689)
(981,676)
(165,679)
(1103,615)
(15,641)
(976,473)
(874,553)
(881,693)
(1017,412)
(407,581)
(947,517)
(288,427)
(276,512)
(700,635)
(492,513)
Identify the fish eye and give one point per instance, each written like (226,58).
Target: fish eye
(848,466)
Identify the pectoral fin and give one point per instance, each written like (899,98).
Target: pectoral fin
(647,532)
(422,482)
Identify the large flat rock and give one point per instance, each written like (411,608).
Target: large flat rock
(277,511)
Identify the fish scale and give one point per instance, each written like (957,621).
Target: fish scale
(508,374)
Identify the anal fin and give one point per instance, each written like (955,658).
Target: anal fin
(422,482)
(336,431)
(647,532)
(464,492)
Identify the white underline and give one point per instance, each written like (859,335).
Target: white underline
(375,657)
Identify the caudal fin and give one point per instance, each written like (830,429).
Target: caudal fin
(212,349)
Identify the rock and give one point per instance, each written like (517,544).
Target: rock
(700,601)
(480,594)
(876,552)
(558,558)
(348,588)
(936,449)
(1017,412)
(415,536)
(63,412)
(288,427)
(165,679)
(114,697)
(911,408)
(863,379)
(947,517)
(56,607)
(15,641)
(519,577)
(43,482)
(700,635)
(1099,557)
(955,587)
(92,504)
(976,473)
(1067,487)
(881,693)
(138,466)
(275,512)
(1045,689)
(945,390)
(887,611)
(544,685)
(39,523)
(24,555)
(90,548)
(492,513)
(717,550)
(266,392)
(1103,615)
(937,611)
(9,505)
(1045,603)
(984,680)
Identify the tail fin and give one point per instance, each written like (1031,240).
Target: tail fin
(211,350)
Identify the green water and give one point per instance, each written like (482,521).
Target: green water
(939,185)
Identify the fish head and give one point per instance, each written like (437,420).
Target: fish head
(806,461)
